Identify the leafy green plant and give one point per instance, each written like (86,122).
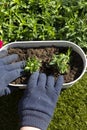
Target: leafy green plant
(61,61)
(32,65)
(44,20)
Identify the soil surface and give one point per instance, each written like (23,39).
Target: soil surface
(45,55)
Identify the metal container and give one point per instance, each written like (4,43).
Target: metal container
(28,44)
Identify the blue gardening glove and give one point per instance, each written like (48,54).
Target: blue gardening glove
(37,105)
(9,72)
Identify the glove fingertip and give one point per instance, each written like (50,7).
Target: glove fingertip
(23,63)
(36,73)
(50,81)
(3,53)
(20,64)
(7,91)
(61,79)
(33,79)
(42,80)
(59,83)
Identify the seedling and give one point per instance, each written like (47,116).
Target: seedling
(32,65)
(61,61)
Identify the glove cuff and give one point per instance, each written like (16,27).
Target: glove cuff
(34,119)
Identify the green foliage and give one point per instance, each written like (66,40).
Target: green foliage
(75,24)
(32,65)
(61,61)
(44,20)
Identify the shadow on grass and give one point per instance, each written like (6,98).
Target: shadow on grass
(9,119)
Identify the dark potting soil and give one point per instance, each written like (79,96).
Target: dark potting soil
(45,55)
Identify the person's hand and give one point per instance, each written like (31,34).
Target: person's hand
(8,71)
(37,105)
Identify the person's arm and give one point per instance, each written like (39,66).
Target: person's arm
(39,101)
(29,128)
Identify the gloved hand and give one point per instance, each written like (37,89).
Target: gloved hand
(9,72)
(37,105)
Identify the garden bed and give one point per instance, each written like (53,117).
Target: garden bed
(45,55)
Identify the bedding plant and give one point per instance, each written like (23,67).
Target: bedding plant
(32,65)
(51,60)
(61,62)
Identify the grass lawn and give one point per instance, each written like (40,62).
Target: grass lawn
(70,113)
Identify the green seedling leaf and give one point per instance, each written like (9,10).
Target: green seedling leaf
(61,61)
(32,65)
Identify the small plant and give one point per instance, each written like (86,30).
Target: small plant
(32,65)
(61,61)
